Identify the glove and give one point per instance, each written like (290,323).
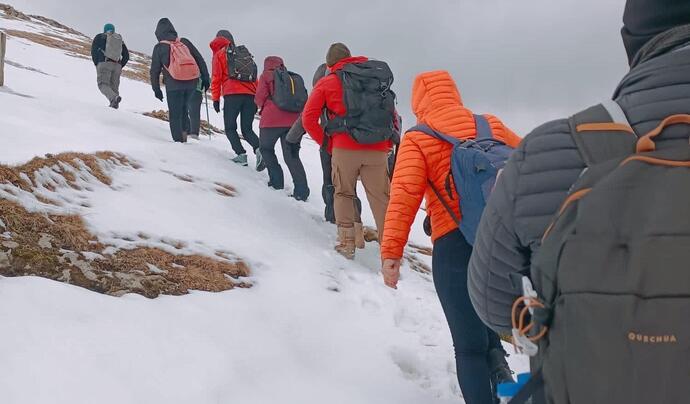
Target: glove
(205,85)
(158,93)
(216,106)
(293,148)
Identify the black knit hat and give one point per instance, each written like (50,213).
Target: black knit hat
(224,33)
(645,19)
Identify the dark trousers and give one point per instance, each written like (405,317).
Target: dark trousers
(328,190)
(241,105)
(178,101)
(471,338)
(268,137)
(193,121)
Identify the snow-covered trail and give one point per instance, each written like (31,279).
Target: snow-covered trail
(313,328)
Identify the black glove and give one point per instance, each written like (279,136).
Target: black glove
(293,148)
(216,106)
(205,85)
(158,93)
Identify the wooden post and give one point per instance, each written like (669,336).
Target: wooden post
(3,43)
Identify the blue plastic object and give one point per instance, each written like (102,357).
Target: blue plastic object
(523,378)
(508,390)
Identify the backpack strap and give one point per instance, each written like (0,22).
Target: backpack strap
(602,133)
(483,127)
(449,139)
(438,135)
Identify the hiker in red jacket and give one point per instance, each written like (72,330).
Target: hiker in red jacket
(351,160)
(238,98)
(275,124)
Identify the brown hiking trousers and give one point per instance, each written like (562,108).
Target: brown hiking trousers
(372,167)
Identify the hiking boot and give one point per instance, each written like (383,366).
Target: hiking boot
(498,366)
(359,236)
(240,159)
(115,103)
(346,242)
(260,164)
(195,137)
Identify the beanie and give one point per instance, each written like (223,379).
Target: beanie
(336,53)
(645,19)
(224,33)
(108,28)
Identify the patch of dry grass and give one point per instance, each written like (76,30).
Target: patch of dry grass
(163,116)
(60,247)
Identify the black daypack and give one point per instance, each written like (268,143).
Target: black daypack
(369,102)
(241,65)
(289,92)
(612,277)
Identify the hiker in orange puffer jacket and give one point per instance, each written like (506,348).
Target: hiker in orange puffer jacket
(480,358)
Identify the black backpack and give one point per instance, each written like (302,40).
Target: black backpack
(241,65)
(369,102)
(611,297)
(289,92)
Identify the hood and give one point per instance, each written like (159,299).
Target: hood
(645,19)
(165,30)
(347,61)
(219,43)
(433,92)
(272,63)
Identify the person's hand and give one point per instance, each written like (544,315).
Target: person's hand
(216,106)
(391,272)
(205,85)
(158,93)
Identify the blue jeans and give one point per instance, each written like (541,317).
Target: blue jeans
(472,339)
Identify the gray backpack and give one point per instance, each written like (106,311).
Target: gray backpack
(113,46)
(611,312)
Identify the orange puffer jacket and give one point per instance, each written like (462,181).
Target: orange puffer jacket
(436,102)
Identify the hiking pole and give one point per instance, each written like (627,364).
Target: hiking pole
(208,117)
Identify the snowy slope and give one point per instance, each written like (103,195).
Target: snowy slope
(313,328)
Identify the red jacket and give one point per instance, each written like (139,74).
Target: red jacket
(328,94)
(221,84)
(271,115)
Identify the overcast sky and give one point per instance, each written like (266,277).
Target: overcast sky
(526,61)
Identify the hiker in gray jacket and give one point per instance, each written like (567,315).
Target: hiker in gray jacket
(537,178)
(110,55)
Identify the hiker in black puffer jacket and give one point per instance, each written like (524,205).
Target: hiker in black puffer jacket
(540,173)
(178,92)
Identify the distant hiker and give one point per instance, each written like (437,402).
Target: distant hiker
(110,55)
(599,223)
(281,96)
(358,135)
(182,66)
(295,135)
(235,78)
(423,169)
(193,119)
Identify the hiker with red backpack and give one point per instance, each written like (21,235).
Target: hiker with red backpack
(358,133)
(450,158)
(587,231)
(281,96)
(110,55)
(182,66)
(234,78)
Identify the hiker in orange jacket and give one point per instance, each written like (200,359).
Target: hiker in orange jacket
(436,101)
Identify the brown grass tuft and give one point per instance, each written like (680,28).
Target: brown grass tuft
(163,116)
(53,247)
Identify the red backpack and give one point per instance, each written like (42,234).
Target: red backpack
(182,66)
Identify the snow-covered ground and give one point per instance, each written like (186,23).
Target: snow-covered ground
(314,328)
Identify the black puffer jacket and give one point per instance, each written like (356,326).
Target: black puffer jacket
(539,174)
(161,59)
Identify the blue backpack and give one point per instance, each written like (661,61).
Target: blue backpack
(474,166)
